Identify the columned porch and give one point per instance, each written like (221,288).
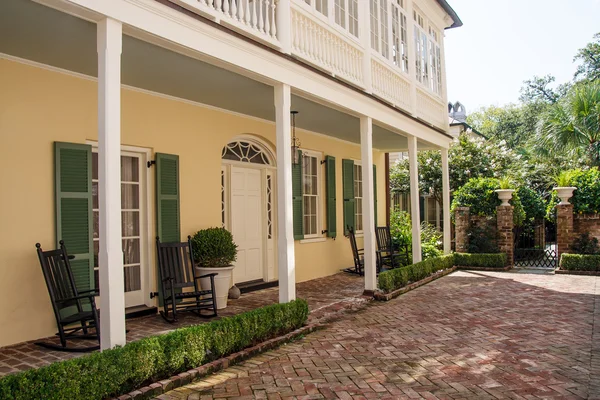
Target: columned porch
(128,62)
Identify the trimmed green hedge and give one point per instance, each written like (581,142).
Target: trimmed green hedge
(580,262)
(400,277)
(121,370)
(495,260)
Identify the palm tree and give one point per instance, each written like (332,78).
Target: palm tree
(573,124)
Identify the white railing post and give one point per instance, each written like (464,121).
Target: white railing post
(364,31)
(415,213)
(112,298)
(368,202)
(285,213)
(284,25)
(446,201)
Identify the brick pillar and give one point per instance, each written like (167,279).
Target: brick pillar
(505,232)
(564,228)
(461,229)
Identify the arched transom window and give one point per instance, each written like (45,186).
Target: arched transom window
(246,151)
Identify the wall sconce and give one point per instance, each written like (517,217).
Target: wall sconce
(295,141)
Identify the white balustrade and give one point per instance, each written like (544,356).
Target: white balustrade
(390,84)
(322,45)
(431,109)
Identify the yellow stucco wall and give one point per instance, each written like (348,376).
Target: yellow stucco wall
(39,107)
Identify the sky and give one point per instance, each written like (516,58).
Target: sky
(505,42)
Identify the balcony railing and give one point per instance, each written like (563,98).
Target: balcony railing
(319,41)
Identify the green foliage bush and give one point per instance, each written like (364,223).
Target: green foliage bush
(214,247)
(479,195)
(580,262)
(533,204)
(401,231)
(585,244)
(496,260)
(586,199)
(121,370)
(400,277)
(482,239)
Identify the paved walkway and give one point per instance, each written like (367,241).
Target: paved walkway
(468,335)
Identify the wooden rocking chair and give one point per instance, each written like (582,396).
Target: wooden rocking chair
(177,272)
(71,307)
(386,254)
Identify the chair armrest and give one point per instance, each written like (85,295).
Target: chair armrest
(91,291)
(81,297)
(207,275)
(167,279)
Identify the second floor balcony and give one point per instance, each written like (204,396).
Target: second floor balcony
(392,49)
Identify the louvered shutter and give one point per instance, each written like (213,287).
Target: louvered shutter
(298,200)
(331,196)
(74,218)
(375,190)
(168,223)
(348,189)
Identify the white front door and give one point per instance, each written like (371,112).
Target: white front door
(247,223)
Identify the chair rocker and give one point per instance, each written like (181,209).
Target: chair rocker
(358,255)
(386,254)
(71,307)
(177,273)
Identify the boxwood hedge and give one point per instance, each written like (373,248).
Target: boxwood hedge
(495,260)
(123,369)
(400,277)
(580,262)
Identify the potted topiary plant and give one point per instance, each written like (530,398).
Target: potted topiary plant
(563,188)
(215,251)
(505,192)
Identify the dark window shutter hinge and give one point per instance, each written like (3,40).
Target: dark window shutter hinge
(151,163)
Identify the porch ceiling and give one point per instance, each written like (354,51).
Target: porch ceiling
(38,33)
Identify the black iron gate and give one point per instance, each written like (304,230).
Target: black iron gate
(535,245)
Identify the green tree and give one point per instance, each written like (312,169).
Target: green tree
(589,56)
(572,125)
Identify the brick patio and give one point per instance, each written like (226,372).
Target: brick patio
(329,292)
(479,335)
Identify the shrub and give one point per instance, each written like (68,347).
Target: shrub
(579,262)
(533,204)
(400,227)
(401,231)
(121,370)
(497,260)
(397,278)
(214,247)
(586,199)
(585,244)
(479,195)
(482,239)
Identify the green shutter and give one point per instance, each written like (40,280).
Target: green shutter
(167,198)
(375,190)
(348,189)
(331,197)
(74,218)
(298,200)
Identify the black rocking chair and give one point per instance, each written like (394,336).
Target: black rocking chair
(386,254)
(177,272)
(357,254)
(71,307)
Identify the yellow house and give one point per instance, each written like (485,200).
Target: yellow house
(121,120)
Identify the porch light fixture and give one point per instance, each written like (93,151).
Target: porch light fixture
(295,141)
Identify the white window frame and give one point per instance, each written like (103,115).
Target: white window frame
(399,31)
(319,158)
(357,209)
(380,15)
(435,62)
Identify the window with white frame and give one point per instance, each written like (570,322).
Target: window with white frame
(379,27)
(319,5)
(421,46)
(435,61)
(399,35)
(311,193)
(358,197)
(346,15)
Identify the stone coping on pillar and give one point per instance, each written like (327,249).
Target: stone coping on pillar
(380,296)
(586,216)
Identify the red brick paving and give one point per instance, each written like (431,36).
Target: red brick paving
(340,288)
(470,335)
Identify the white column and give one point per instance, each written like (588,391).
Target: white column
(368,202)
(112,298)
(284,25)
(446,201)
(414,199)
(444,85)
(364,28)
(285,211)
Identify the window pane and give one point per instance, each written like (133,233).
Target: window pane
(94,165)
(130,220)
(132,278)
(96,215)
(130,169)
(95,203)
(131,251)
(130,196)
(96,252)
